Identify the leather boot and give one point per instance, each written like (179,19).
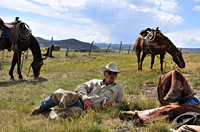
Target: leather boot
(36,111)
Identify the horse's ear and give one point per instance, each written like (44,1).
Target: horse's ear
(180,49)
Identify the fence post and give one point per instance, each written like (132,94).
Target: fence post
(91,47)
(68,48)
(129,48)
(50,46)
(120,47)
(26,57)
(108,48)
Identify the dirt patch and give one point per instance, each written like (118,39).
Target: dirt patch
(150,91)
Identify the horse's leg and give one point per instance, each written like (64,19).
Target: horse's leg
(142,59)
(152,59)
(161,61)
(138,59)
(18,66)
(14,61)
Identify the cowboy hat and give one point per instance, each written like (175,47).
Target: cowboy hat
(110,67)
(188,118)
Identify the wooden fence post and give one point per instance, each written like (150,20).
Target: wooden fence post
(91,47)
(68,48)
(108,48)
(50,46)
(120,47)
(26,57)
(129,48)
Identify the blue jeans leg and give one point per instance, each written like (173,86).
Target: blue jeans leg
(47,103)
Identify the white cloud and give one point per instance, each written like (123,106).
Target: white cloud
(87,33)
(185,39)
(72,3)
(139,8)
(196,8)
(108,21)
(169,6)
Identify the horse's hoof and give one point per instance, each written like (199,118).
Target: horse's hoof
(12,78)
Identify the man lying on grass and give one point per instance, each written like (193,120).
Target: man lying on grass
(94,94)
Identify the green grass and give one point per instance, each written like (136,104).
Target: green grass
(18,98)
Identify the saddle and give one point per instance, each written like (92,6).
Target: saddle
(12,32)
(9,32)
(148,36)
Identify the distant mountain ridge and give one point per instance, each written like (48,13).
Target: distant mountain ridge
(125,47)
(74,44)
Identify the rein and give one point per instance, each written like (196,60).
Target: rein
(22,65)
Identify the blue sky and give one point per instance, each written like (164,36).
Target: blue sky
(108,21)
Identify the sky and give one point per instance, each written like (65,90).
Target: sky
(107,21)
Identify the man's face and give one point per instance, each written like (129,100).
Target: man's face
(110,77)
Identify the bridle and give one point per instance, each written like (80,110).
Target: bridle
(38,65)
(35,66)
(175,55)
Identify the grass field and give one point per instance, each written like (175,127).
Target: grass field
(18,98)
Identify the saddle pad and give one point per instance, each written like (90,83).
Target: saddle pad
(7,33)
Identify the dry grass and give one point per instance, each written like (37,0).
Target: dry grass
(19,97)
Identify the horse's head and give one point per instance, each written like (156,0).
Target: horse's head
(178,58)
(36,66)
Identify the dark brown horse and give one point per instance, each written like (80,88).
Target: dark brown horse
(157,43)
(21,45)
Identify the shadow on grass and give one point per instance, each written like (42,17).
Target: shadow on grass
(14,82)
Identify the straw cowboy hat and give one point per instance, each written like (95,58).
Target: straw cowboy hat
(110,67)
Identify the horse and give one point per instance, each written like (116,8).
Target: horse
(18,45)
(156,43)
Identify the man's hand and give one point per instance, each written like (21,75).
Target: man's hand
(107,104)
(87,104)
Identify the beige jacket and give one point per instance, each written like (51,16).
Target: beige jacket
(95,90)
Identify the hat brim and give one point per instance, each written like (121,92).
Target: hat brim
(103,69)
(188,118)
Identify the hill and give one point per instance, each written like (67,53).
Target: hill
(74,44)
(77,45)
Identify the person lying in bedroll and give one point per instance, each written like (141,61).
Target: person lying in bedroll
(172,87)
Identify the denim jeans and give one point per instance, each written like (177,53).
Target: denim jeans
(189,100)
(47,103)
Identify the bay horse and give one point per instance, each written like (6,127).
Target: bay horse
(156,43)
(20,45)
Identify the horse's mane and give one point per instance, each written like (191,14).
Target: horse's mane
(165,38)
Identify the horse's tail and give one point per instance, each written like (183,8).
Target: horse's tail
(134,47)
(137,44)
